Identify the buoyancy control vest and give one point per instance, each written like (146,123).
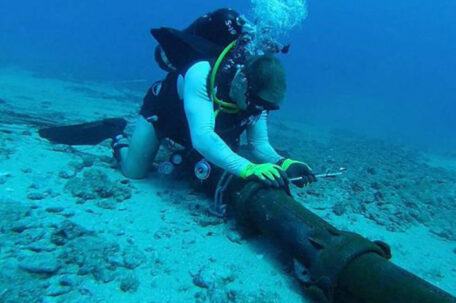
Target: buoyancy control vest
(166,104)
(215,38)
(168,108)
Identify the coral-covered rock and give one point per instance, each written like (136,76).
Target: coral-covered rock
(43,263)
(133,257)
(95,184)
(68,231)
(213,275)
(129,283)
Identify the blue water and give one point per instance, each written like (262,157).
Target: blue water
(385,68)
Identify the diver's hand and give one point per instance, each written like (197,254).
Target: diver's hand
(267,173)
(296,169)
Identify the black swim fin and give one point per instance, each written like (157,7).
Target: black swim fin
(91,133)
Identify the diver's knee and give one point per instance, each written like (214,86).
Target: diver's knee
(132,173)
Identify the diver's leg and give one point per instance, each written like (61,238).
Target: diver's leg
(136,159)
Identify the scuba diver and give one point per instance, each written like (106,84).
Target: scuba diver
(216,89)
(213,92)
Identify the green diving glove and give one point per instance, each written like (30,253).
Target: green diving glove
(267,173)
(300,171)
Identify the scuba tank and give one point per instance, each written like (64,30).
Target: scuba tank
(205,38)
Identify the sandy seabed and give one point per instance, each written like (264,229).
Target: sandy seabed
(73,229)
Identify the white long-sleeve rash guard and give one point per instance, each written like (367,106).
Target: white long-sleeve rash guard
(200,114)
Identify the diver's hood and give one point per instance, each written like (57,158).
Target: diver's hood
(183,48)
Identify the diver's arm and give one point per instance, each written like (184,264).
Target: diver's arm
(257,136)
(258,141)
(199,110)
(136,160)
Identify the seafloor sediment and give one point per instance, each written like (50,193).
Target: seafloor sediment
(73,229)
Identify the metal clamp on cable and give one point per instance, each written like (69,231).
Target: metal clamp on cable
(335,250)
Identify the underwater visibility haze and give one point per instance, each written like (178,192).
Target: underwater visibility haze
(386,68)
(370,105)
